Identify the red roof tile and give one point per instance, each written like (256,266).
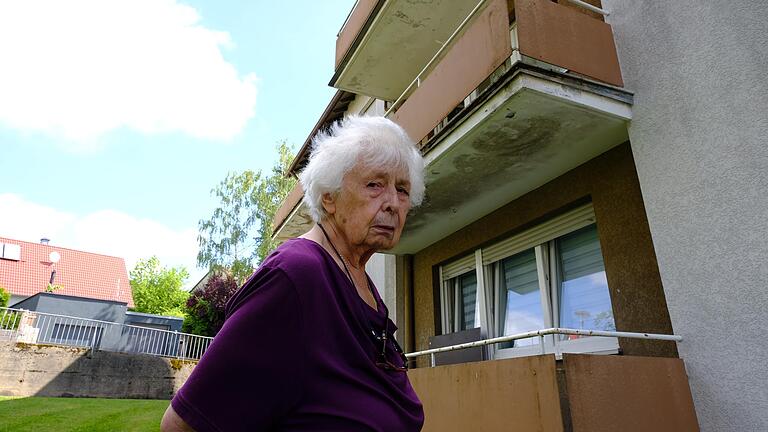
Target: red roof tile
(81,274)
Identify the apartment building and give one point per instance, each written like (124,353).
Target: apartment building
(590,166)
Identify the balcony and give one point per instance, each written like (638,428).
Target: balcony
(555,392)
(384,44)
(515,99)
(501,96)
(539,393)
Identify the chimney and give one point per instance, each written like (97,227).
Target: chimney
(45,241)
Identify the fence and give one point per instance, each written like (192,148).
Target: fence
(18,325)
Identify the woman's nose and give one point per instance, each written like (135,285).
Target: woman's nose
(391,201)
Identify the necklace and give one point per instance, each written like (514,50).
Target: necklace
(381,361)
(346,269)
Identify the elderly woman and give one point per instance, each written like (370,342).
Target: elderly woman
(308,344)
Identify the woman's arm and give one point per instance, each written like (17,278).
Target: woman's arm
(173,423)
(247,379)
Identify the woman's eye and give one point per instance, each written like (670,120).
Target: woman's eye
(373,184)
(403,191)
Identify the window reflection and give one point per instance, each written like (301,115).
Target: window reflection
(520,298)
(584,299)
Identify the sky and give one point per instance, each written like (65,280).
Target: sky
(117,118)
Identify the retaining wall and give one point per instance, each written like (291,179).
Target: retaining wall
(47,370)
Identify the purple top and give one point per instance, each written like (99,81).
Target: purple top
(296,353)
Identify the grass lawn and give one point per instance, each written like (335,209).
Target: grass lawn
(80,414)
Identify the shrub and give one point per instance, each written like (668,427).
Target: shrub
(206,307)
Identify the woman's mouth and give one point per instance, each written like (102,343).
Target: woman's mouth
(386,229)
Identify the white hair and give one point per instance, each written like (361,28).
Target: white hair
(371,141)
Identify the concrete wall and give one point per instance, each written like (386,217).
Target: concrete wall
(610,182)
(699,128)
(42,370)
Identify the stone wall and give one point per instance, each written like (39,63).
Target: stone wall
(54,371)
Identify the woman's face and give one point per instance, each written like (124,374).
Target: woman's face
(371,207)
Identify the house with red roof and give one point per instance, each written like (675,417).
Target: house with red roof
(27,269)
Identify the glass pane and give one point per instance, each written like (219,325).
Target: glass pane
(584,299)
(468,307)
(520,298)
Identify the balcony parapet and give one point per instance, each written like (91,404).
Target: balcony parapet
(541,33)
(580,393)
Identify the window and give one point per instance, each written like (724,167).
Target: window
(518,307)
(550,276)
(462,301)
(584,302)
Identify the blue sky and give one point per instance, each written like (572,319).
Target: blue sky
(118,117)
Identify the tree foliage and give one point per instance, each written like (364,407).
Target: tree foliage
(157,289)
(238,236)
(206,307)
(4,297)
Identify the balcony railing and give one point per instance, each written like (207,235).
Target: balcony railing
(541,334)
(448,43)
(39,328)
(543,33)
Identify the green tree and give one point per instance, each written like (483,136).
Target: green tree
(4,297)
(158,289)
(238,235)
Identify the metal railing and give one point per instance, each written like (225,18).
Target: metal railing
(540,334)
(19,325)
(590,7)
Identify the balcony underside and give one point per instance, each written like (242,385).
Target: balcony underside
(296,223)
(376,63)
(529,131)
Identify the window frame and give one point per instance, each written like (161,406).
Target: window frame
(543,240)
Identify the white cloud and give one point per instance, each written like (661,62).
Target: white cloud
(80,68)
(108,232)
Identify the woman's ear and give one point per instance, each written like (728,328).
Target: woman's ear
(329,203)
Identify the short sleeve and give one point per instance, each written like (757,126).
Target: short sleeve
(249,378)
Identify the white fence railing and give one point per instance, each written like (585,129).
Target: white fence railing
(18,325)
(541,334)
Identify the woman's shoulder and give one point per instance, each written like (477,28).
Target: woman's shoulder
(297,257)
(297,263)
